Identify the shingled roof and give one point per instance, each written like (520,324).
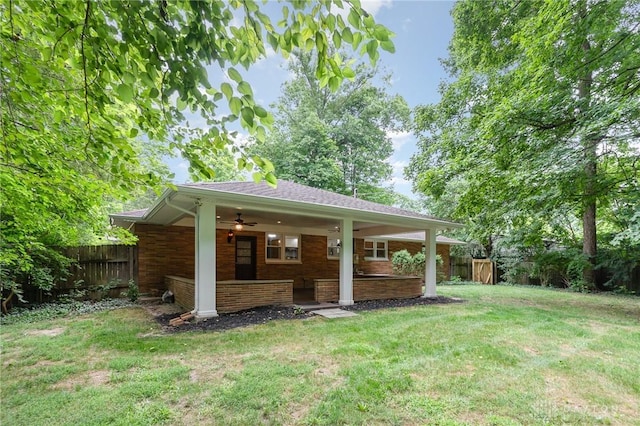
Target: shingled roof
(291,191)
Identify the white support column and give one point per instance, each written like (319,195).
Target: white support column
(346,263)
(205,286)
(430,263)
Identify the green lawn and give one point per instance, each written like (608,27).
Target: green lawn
(509,355)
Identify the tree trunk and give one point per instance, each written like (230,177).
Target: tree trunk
(589,241)
(589,145)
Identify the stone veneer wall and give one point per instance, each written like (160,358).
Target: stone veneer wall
(370,288)
(234,296)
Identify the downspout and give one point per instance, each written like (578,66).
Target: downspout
(189,212)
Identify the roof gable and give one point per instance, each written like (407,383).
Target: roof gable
(296,192)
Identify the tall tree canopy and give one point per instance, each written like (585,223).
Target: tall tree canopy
(89,88)
(335,140)
(538,131)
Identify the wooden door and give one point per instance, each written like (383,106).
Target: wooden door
(245,258)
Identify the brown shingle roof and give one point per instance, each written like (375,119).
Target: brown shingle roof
(304,194)
(134,213)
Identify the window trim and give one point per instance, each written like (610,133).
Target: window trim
(375,249)
(283,247)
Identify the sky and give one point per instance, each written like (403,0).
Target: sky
(423,30)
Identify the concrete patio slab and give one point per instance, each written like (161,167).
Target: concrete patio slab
(314,306)
(334,313)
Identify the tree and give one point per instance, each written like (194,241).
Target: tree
(335,140)
(88,87)
(539,126)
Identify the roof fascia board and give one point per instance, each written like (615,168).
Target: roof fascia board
(166,194)
(319,210)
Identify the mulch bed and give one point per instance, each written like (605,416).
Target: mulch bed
(265,314)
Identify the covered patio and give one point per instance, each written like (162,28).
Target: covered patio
(234,245)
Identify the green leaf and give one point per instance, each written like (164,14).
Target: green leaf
(337,40)
(261,134)
(334,83)
(372,48)
(235,105)
(181,104)
(348,72)
(247,115)
(271,179)
(347,35)
(259,111)
(245,88)
(226,89)
(128,78)
(354,19)
(257,177)
(388,46)
(234,75)
(125,93)
(381,33)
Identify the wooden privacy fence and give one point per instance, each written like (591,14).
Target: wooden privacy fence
(460,266)
(112,265)
(483,271)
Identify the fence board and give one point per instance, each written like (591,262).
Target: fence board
(99,265)
(461,267)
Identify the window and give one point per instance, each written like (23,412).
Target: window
(375,250)
(333,248)
(283,248)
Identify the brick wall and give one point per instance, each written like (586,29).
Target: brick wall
(183,290)
(163,250)
(370,289)
(170,250)
(235,295)
(386,267)
(445,269)
(240,295)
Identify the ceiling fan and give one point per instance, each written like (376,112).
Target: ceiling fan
(337,229)
(239,223)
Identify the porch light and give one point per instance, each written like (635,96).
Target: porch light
(229,235)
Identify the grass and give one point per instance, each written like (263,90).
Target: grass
(508,356)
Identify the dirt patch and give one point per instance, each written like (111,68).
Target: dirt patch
(163,309)
(52,332)
(561,391)
(90,378)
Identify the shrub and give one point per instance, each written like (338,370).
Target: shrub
(133,292)
(406,264)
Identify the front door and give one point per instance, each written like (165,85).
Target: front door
(245,258)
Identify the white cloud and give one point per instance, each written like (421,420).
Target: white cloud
(406,24)
(371,6)
(374,6)
(397,176)
(399,139)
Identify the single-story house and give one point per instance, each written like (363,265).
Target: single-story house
(229,246)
